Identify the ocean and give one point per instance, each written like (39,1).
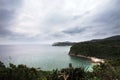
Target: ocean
(45,57)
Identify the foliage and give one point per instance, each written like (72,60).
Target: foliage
(20,72)
(104,71)
(107,49)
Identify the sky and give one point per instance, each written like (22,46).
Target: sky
(49,21)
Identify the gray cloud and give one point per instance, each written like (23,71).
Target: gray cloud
(7,14)
(104,23)
(44,22)
(107,21)
(5,19)
(75,30)
(110,16)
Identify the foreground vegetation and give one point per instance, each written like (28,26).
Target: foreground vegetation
(107,71)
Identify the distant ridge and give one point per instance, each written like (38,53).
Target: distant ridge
(116,37)
(66,43)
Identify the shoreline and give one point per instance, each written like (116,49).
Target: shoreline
(92,59)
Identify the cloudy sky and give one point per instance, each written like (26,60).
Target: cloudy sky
(48,21)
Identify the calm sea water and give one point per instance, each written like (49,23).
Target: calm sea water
(46,57)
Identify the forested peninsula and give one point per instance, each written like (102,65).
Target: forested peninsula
(108,48)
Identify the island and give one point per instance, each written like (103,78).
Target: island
(66,43)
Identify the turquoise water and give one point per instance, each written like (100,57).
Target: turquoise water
(46,57)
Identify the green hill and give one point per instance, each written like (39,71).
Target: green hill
(107,48)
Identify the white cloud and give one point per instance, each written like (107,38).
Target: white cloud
(47,19)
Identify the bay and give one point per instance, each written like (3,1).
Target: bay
(45,57)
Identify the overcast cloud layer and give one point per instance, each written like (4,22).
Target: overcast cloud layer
(47,21)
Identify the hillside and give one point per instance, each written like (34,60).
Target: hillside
(107,48)
(66,43)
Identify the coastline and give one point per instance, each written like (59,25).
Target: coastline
(92,59)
